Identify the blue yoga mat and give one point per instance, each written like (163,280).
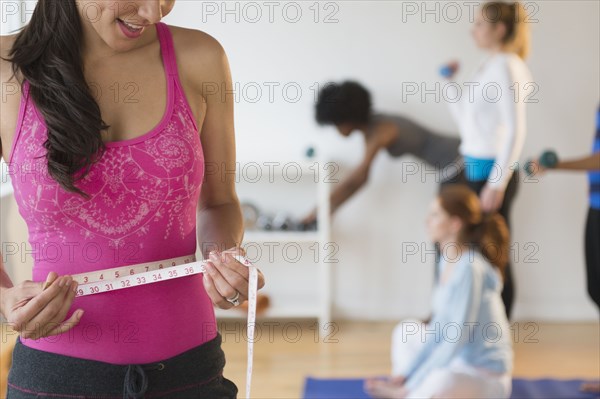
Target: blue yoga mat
(315,388)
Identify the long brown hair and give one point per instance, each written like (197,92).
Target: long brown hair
(488,233)
(514,17)
(47,53)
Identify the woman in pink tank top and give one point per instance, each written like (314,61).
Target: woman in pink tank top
(98,196)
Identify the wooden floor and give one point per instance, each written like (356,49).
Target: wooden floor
(288,351)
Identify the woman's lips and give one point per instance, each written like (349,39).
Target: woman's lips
(129,31)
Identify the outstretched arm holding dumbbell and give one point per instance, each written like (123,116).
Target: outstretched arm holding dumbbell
(590,162)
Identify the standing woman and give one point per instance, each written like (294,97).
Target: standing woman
(590,164)
(490,113)
(107,131)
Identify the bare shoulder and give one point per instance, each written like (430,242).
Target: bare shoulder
(202,56)
(6,72)
(6,43)
(197,42)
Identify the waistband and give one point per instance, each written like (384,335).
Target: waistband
(49,373)
(477,169)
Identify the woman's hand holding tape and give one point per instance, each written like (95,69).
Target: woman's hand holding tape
(38,309)
(226,278)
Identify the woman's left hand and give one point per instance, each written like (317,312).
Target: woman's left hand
(225,277)
(491,199)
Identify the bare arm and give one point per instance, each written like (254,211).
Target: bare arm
(591,162)
(220,224)
(351,185)
(219,217)
(34,309)
(382,137)
(5,281)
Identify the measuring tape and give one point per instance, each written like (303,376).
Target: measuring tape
(117,278)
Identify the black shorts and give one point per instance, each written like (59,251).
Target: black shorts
(196,373)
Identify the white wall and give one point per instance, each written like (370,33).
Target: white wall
(378,44)
(14,14)
(383,45)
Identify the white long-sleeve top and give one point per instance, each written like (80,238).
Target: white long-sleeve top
(490,113)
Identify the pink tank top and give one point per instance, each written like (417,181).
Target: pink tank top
(144,192)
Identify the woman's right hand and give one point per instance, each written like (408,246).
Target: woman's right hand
(36,312)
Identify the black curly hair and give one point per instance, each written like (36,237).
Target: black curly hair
(347,102)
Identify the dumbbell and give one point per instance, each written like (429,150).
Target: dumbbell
(449,70)
(548,160)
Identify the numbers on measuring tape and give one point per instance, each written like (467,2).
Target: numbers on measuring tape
(118,278)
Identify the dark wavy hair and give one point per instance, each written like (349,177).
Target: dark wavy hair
(47,52)
(348,102)
(486,232)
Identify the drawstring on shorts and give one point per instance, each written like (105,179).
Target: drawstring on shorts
(136,380)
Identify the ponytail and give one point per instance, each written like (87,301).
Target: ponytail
(514,17)
(490,237)
(486,233)
(47,53)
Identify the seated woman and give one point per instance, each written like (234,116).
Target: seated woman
(347,106)
(465,350)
